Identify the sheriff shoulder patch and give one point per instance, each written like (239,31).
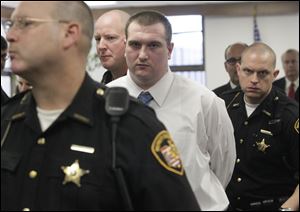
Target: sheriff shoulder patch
(296,126)
(165,151)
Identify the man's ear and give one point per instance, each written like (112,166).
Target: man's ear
(275,74)
(170,49)
(238,68)
(72,34)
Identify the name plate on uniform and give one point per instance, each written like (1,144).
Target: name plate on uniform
(80,148)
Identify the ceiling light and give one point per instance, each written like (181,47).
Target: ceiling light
(97,4)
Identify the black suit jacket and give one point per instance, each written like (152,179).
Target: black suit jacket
(4,97)
(219,90)
(280,83)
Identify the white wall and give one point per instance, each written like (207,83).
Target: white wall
(279,32)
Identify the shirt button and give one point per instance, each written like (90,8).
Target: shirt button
(246,123)
(241,141)
(25,209)
(41,141)
(33,174)
(238,160)
(239,179)
(238,198)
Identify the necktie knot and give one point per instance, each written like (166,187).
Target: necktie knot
(291,93)
(145,97)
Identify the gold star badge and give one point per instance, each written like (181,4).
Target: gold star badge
(73,173)
(262,146)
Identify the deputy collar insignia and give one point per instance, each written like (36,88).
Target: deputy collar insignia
(266,132)
(267,113)
(262,146)
(296,126)
(74,173)
(165,151)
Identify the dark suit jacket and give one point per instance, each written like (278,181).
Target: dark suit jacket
(280,83)
(219,90)
(4,97)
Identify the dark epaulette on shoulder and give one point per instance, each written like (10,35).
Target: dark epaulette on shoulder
(145,114)
(232,91)
(230,96)
(285,103)
(21,97)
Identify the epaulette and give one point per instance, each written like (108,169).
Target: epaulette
(144,113)
(21,97)
(232,91)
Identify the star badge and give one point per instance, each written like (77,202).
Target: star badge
(73,173)
(262,146)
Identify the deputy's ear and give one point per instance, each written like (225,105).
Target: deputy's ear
(72,34)
(238,68)
(275,73)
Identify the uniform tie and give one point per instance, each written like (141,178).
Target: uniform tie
(145,97)
(291,93)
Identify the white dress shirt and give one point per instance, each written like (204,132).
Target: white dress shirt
(201,129)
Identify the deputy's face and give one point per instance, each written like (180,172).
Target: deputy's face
(147,53)
(32,43)
(256,74)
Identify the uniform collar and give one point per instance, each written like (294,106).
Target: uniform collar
(81,109)
(266,107)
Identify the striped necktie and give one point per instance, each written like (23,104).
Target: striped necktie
(291,93)
(145,97)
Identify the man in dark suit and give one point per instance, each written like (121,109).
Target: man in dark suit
(290,83)
(232,56)
(4,97)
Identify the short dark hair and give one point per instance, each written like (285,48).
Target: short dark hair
(150,17)
(3,43)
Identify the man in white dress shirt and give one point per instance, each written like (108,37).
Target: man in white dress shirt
(196,118)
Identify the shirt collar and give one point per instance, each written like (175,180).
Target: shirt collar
(288,83)
(232,85)
(158,91)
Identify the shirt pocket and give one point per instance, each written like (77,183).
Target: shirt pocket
(97,188)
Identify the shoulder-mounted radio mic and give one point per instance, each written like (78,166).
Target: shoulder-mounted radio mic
(116,105)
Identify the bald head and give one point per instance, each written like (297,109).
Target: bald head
(261,50)
(77,11)
(235,48)
(116,19)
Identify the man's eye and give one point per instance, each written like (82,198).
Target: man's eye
(134,45)
(110,38)
(263,73)
(247,71)
(26,23)
(97,39)
(153,45)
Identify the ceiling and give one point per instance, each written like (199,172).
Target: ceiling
(120,4)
